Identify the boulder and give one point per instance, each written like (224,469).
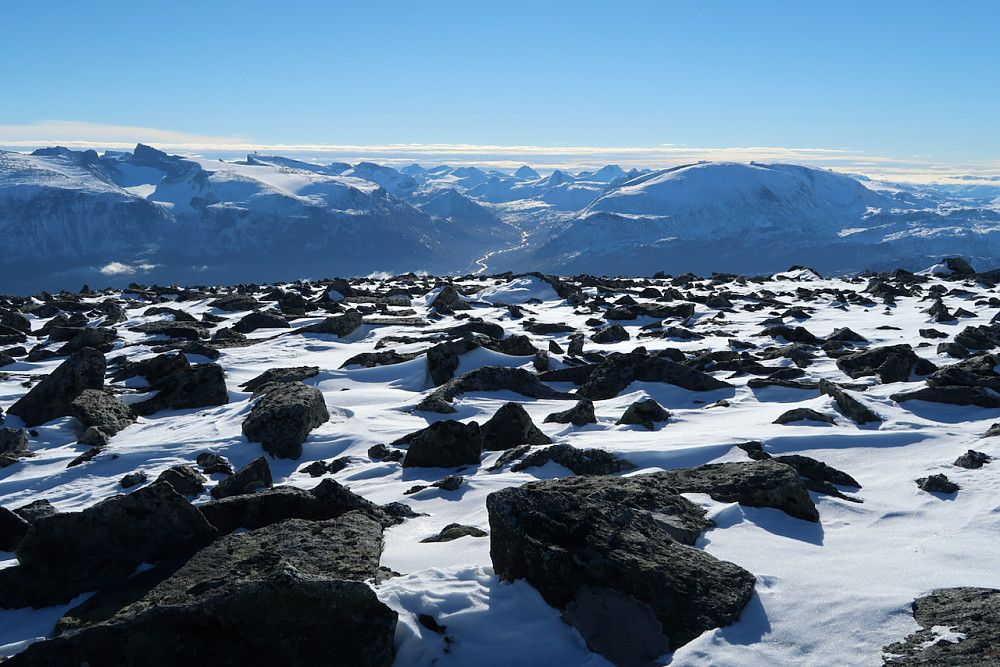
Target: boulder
(647,413)
(232,303)
(892,363)
(613,554)
(53,396)
(488,378)
(937,484)
(803,414)
(618,371)
(152,369)
(579,461)
(511,426)
(448,300)
(14,442)
(252,477)
(955,395)
(94,407)
(201,386)
(443,358)
(184,479)
(443,444)
(284,416)
(972,618)
(99,338)
(515,346)
(338,325)
(851,407)
(293,374)
(614,333)
(193,331)
(13,528)
(580,414)
(972,459)
(453,531)
(261,319)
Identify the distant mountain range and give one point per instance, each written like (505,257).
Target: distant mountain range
(70,216)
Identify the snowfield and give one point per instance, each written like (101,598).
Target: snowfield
(829,593)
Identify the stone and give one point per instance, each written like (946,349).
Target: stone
(284,416)
(591,545)
(817,470)
(252,477)
(100,338)
(579,415)
(133,479)
(212,463)
(646,413)
(511,426)
(791,334)
(293,374)
(488,378)
(338,325)
(955,395)
(851,407)
(13,528)
(614,333)
(453,531)
(443,444)
(803,414)
(98,408)
(448,299)
(449,483)
(201,386)
(14,442)
(152,369)
(193,331)
(579,461)
(53,396)
(846,335)
(972,617)
(937,484)
(613,375)
(184,479)
(515,346)
(972,459)
(235,302)
(892,363)
(443,358)
(261,319)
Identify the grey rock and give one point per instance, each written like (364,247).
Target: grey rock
(193,331)
(801,414)
(97,408)
(955,395)
(261,319)
(338,325)
(972,612)
(235,302)
(133,479)
(443,358)
(817,470)
(892,363)
(14,442)
(972,459)
(613,375)
(13,528)
(184,479)
(152,369)
(443,444)
(615,333)
(579,461)
(284,416)
(53,396)
(453,531)
(201,386)
(580,414)
(511,426)
(937,484)
(851,407)
(647,413)
(293,374)
(488,378)
(252,477)
(99,338)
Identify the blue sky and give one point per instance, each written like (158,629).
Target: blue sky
(907,82)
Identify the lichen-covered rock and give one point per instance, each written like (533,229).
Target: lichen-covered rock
(284,416)
(972,617)
(579,415)
(647,413)
(53,396)
(252,477)
(102,410)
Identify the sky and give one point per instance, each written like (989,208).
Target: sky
(848,84)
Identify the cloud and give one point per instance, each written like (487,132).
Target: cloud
(122,269)
(77,134)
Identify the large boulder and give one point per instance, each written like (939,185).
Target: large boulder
(252,477)
(618,371)
(971,617)
(443,358)
(614,554)
(851,407)
(338,325)
(443,444)
(291,374)
(284,416)
(152,369)
(53,396)
(100,409)
(67,553)
(579,415)
(891,363)
(488,378)
(201,386)
(511,426)
(580,461)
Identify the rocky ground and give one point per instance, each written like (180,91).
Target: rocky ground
(487,470)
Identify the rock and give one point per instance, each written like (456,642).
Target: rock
(443,444)
(580,414)
(152,369)
(291,593)
(972,459)
(449,483)
(33,511)
(53,396)
(201,386)
(992,432)
(800,414)
(327,500)
(252,477)
(953,349)
(284,416)
(133,479)
(893,363)
(99,338)
(971,617)
(229,335)
(448,299)
(615,333)
(235,302)
(212,463)
(315,469)
(937,484)
(453,531)
(488,378)
(261,319)
(94,407)
(613,554)
(613,375)
(193,331)
(932,333)
(979,338)
(443,358)
(955,395)
(293,374)
(380,358)
(579,461)
(338,325)
(184,479)
(791,334)
(817,470)
(755,450)
(13,528)
(14,442)
(511,426)
(851,407)
(92,452)
(68,553)
(647,413)
(765,483)
(5,359)
(846,335)
(515,346)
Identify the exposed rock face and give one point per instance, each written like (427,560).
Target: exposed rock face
(851,407)
(511,426)
(593,544)
(293,374)
(613,375)
(580,414)
(109,413)
(201,386)
(580,461)
(488,378)
(443,444)
(53,396)
(67,553)
(972,613)
(283,418)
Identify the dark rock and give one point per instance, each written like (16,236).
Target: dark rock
(315,469)
(575,374)
(443,358)
(294,374)
(449,483)
(252,477)
(14,442)
(611,334)
(213,463)
(755,450)
(448,299)
(133,479)
(99,338)
(5,359)
(932,333)
(580,414)
(579,461)
(94,407)
(953,349)
(791,334)
(972,459)
(229,335)
(973,614)
(261,319)
(817,470)
(937,484)
(548,328)
(992,432)
(646,412)
(511,426)
(851,407)
(800,414)
(184,479)
(34,510)
(893,363)
(338,325)
(380,358)
(488,378)
(453,531)
(13,528)
(235,302)
(765,483)
(192,331)
(554,347)
(290,594)
(515,346)
(67,553)
(955,395)
(383,453)
(612,552)
(202,385)
(443,444)
(613,375)
(282,419)
(53,396)
(90,453)
(153,369)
